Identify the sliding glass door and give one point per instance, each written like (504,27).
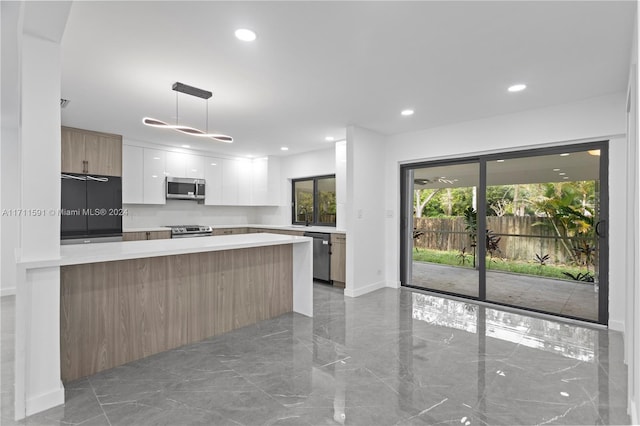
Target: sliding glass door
(445,232)
(524,229)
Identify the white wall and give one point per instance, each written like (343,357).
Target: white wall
(591,119)
(313,163)
(365,219)
(40,146)
(9,146)
(632,332)
(618,216)
(10,193)
(37,371)
(341,184)
(182,212)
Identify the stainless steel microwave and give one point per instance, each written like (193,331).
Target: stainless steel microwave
(185,188)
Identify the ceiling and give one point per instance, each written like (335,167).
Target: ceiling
(569,167)
(317,67)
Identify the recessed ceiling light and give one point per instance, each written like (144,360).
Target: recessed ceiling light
(517,87)
(562,173)
(186,146)
(565,154)
(500,161)
(595,152)
(284,148)
(329,139)
(407,112)
(565,177)
(556,170)
(245,34)
(156,158)
(213,164)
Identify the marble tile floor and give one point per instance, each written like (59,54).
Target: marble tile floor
(575,299)
(391,357)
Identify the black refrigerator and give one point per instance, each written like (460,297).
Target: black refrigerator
(91,208)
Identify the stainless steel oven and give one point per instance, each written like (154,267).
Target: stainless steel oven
(190,231)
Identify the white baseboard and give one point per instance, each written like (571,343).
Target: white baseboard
(633,408)
(11,291)
(364,290)
(45,401)
(617,326)
(394,284)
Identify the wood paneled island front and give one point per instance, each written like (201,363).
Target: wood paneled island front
(119,302)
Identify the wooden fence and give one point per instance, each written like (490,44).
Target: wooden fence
(521,238)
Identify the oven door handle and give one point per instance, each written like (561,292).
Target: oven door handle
(190,235)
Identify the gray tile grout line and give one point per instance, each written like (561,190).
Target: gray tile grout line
(95,395)
(306,346)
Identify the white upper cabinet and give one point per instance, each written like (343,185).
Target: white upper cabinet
(237,182)
(265,182)
(194,165)
(273,196)
(259,181)
(213,178)
(153,180)
(184,165)
(176,164)
(132,175)
(244,170)
(229,182)
(230,185)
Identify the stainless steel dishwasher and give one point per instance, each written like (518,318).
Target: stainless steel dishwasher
(321,255)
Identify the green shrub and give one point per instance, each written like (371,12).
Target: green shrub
(453,258)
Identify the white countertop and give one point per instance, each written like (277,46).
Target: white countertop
(151,229)
(302,228)
(76,254)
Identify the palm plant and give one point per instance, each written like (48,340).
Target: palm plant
(471,226)
(564,207)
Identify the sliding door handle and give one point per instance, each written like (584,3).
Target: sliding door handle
(601,232)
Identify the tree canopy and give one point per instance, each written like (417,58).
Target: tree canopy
(539,199)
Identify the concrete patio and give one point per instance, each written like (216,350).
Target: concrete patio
(575,299)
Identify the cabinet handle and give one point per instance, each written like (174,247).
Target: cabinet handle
(85,166)
(148,234)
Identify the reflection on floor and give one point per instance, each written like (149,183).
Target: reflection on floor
(389,357)
(574,299)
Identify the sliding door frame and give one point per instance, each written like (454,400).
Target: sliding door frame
(406,220)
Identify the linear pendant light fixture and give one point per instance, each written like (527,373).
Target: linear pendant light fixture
(193,91)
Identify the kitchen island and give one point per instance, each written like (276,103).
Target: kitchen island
(116,302)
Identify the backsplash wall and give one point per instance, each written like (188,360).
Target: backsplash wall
(180,212)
